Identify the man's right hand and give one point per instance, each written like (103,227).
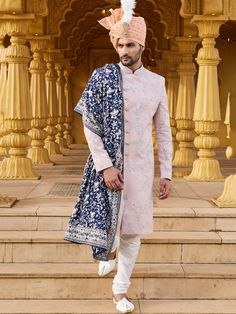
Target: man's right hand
(113,178)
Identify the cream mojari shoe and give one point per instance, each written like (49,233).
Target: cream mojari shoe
(105,268)
(124,305)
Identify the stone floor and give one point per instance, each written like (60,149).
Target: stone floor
(59,185)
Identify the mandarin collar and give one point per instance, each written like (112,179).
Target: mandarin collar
(129,71)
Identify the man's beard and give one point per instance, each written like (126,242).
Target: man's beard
(131,61)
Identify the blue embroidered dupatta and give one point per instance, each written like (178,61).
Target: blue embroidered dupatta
(95,217)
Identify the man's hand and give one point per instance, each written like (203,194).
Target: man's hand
(113,178)
(165,188)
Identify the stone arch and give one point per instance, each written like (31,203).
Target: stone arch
(78,47)
(66,41)
(68,6)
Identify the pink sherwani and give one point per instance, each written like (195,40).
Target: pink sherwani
(144,100)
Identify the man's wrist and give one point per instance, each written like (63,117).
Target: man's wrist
(167,179)
(106,168)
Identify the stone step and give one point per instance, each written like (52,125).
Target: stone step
(55,223)
(107,307)
(155,237)
(165,219)
(79,146)
(68,160)
(76,152)
(159,247)
(80,281)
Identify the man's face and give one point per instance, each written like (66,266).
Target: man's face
(129,51)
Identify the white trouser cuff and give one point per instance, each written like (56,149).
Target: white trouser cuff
(120,287)
(127,254)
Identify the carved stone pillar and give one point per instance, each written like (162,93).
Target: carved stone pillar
(61,106)
(51,91)
(5,201)
(37,153)
(185,155)
(18,113)
(207,104)
(172,78)
(69,111)
(3,81)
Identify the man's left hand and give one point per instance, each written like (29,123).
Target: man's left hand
(165,188)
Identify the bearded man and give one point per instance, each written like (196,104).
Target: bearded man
(118,107)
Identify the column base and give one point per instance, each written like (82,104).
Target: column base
(18,168)
(39,156)
(205,170)
(181,172)
(184,158)
(3,166)
(6,201)
(53,148)
(228,197)
(3,152)
(62,143)
(69,139)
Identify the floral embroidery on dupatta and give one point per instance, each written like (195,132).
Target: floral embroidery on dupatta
(95,217)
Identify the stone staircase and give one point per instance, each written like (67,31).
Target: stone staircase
(187,266)
(182,267)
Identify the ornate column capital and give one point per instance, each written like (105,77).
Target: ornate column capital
(187,47)
(172,57)
(50,55)
(187,44)
(38,42)
(208,26)
(16,24)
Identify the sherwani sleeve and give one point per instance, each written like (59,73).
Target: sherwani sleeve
(163,135)
(100,156)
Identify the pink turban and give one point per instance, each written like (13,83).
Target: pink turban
(136,30)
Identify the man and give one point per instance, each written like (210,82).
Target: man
(118,106)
